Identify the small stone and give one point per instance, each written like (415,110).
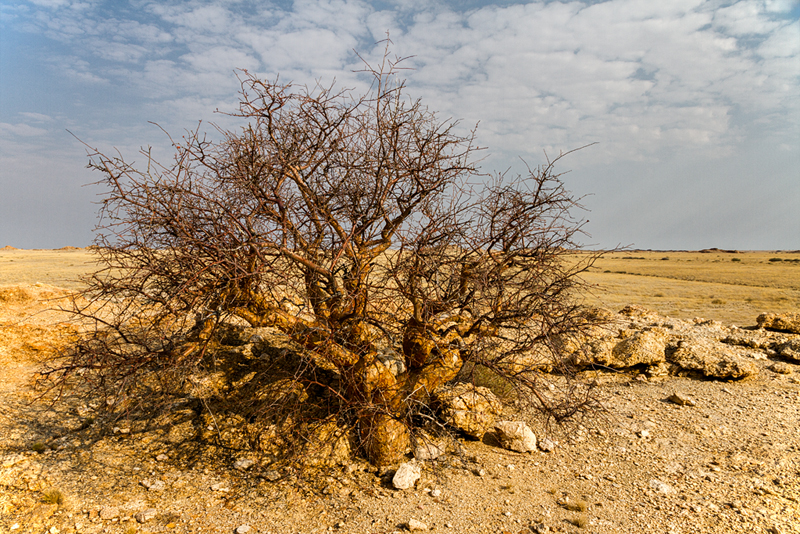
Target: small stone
(220,486)
(661,487)
(644,433)
(508,514)
(546,445)
(272,475)
(53,530)
(681,399)
(436,493)
(158,485)
(145,515)
(244,464)
(15,526)
(109,512)
(516,436)
(244,529)
(414,525)
(162,457)
(406,476)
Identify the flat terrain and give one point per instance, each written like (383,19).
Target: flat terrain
(730,287)
(729,464)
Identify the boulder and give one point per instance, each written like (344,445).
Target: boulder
(644,347)
(710,358)
(515,436)
(782,322)
(471,409)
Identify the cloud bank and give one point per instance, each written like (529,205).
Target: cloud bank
(684,98)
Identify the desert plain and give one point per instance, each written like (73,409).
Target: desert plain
(729,462)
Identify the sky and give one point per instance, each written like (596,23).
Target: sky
(694,105)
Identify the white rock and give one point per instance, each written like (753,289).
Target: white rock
(428,450)
(243,464)
(145,515)
(162,457)
(413,525)
(109,512)
(244,529)
(406,476)
(547,445)
(158,485)
(515,436)
(661,487)
(436,493)
(220,486)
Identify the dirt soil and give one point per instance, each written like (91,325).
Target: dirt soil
(731,463)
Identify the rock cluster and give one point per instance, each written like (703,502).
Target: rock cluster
(638,337)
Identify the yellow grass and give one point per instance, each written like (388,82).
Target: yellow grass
(693,284)
(678,284)
(60,268)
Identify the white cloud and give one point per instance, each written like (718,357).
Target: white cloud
(10,131)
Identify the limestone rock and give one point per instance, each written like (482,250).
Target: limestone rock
(407,475)
(145,515)
(790,350)
(710,358)
(243,464)
(781,368)
(109,512)
(782,322)
(393,361)
(681,399)
(329,445)
(645,347)
(414,525)
(546,445)
(515,436)
(428,449)
(471,409)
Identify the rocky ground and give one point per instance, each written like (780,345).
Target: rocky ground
(723,456)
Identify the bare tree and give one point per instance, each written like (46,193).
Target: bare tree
(359,227)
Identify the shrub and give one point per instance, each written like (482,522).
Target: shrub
(356,228)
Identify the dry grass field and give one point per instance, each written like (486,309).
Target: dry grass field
(728,287)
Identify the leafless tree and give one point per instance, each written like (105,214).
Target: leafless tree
(360,228)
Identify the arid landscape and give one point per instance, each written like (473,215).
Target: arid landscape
(683,445)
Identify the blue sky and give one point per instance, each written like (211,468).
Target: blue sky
(694,105)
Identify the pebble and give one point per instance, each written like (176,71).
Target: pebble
(145,515)
(661,487)
(162,457)
(244,529)
(220,486)
(414,525)
(436,493)
(243,464)
(546,445)
(644,433)
(158,485)
(681,399)
(108,512)
(272,475)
